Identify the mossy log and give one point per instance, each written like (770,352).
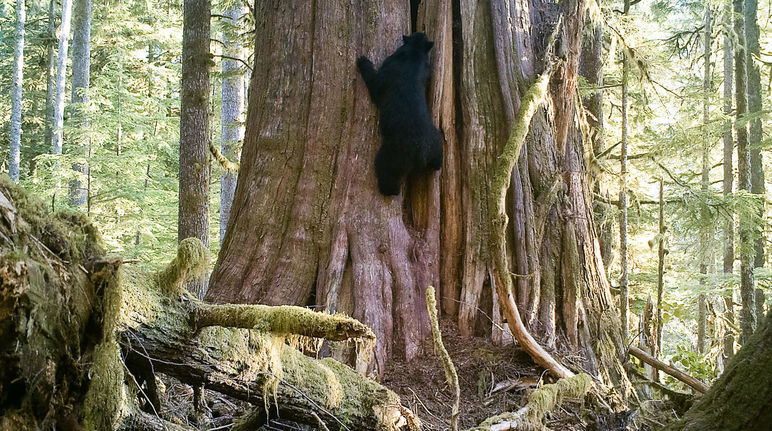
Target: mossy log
(81,334)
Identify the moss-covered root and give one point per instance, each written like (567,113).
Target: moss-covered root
(541,401)
(439,347)
(192,262)
(285,319)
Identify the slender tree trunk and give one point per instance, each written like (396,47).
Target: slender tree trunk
(51,75)
(195,168)
(61,75)
(707,224)
(728,176)
(81,75)
(623,279)
(14,158)
(660,266)
(309,226)
(747,290)
(750,11)
(591,68)
(232,109)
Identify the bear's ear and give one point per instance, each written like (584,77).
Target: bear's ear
(405,39)
(428,45)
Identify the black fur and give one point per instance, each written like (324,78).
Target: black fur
(398,89)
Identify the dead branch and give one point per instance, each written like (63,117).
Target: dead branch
(678,374)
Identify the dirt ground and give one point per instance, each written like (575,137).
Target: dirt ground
(492,380)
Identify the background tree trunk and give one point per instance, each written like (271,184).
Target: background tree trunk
(623,279)
(747,290)
(750,11)
(728,175)
(14,157)
(81,75)
(706,233)
(195,168)
(308,225)
(232,108)
(51,81)
(591,68)
(61,75)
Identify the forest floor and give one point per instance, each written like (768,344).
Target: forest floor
(492,379)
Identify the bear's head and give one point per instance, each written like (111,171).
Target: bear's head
(418,41)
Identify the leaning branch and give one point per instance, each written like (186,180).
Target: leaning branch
(533,98)
(678,374)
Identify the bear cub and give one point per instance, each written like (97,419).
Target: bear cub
(398,89)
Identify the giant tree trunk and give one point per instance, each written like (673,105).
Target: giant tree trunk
(308,225)
(741,399)
(195,168)
(14,157)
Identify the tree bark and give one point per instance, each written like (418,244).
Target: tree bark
(750,12)
(728,263)
(741,399)
(81,75)
(232,108)
(14,158)
(308,225)
(61,74)
(195,167)
(747,289)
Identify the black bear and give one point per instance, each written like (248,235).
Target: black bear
(398,89)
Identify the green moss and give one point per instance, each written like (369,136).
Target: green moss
(106,403)
(69,235)
(191,263)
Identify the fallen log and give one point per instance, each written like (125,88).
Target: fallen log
(675,372)
(86,335)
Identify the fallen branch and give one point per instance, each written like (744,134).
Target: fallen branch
(540,402)
(678,374)
(439,347)
(283,319)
